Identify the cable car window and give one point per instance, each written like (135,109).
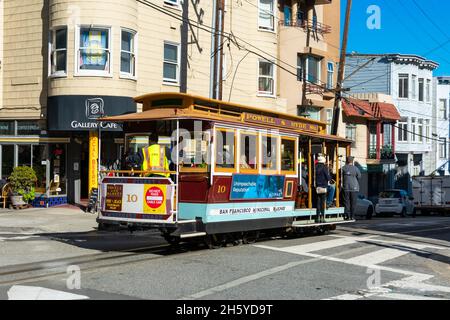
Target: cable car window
(225,150)
(269,152)
(194,151)
(248,152)
(288,155)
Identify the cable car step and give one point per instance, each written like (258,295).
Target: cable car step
(299,224)
(192,235)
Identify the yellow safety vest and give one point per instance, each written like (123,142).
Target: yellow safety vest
(155,160)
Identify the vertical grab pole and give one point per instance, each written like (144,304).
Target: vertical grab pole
(178,169)
(338,178)
(309,175)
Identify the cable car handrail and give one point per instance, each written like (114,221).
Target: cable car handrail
(138,171)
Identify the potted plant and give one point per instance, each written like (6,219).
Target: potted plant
(22,181)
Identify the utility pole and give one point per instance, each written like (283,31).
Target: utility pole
(184,47)
(338,95)
(218,50)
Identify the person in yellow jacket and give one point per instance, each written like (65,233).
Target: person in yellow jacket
(155,159)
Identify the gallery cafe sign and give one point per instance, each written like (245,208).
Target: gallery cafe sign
(80,113)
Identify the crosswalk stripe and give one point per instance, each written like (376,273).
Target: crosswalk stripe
(402,296)
(377,257)
(40,293)
(316,246)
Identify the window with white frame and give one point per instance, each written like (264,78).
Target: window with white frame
(58,52)
(403,85)
(93,51)
(414,86)
(413,130)
(428,90)
(266,81)
(421,84)
(442,148)
(330,75)
(171,72)
(420,130)
(128,53)
(442,109)
(403,130)
(266,15)
(427,130)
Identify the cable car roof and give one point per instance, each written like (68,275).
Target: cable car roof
(173,105)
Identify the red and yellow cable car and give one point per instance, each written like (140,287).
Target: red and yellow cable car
(234,170)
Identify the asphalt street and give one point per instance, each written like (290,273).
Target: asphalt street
(384,258)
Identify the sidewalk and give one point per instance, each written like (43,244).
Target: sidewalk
(65,218)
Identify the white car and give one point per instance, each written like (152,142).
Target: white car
(394,201)
(364,207)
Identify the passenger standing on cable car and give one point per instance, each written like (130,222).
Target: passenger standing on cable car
(322,179)
(154,158)
(350,176)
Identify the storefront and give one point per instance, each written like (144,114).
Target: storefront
(74,117)
(26,143)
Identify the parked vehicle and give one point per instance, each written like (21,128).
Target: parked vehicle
(395,201)
(431,194)
(364,207)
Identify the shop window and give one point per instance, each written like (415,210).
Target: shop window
(269,153)
(7,160)
(24,155)
(288,155)
(225,150)
(40,167)
(58,181)
(248,152)
(28,128)
(7,128)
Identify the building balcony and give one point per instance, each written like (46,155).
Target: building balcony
(307,25)
(312,88)
(385,156)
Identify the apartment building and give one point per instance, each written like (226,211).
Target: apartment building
(309,38)
(369,120)
(64,63)
(408,80)
(440,124)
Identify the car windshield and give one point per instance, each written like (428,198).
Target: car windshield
(390,194)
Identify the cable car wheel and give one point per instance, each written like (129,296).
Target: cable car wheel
(250,237)
(172,240)
(215,241)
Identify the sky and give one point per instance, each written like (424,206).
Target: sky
(401,28)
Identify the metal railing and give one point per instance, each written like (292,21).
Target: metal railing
(307,24)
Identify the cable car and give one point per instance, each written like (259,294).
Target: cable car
(233,170)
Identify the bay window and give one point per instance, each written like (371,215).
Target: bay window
(93,51)
(58,52)
(128,54)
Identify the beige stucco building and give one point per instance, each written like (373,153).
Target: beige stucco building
(62,61)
